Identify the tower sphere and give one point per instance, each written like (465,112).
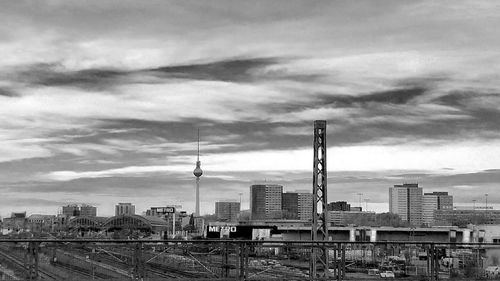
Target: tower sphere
(198,171)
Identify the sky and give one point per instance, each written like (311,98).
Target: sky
(101,101)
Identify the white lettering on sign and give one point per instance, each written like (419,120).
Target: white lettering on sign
(169,210)
(222,228)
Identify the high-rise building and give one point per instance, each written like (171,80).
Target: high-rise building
(71,210)
(290,205)
(429,205)
(305,208)
(445,201)
(435,201)
(297,205)
(88,211)
(406,201)
(124,209)
(227,210)
(265,201)
(338,206)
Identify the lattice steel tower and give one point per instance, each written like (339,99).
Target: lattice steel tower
(319,231)
(197,173)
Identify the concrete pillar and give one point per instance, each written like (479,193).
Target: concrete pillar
(466,236)
(352,235)
(373,236)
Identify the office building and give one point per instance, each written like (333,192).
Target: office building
(444,200)
(297,205)
(429,205)
(463,217)
(88,211)
(71,211)
(338,206)
(343,218)
(435,201)
(16,222)
(265,201)
(406,201)
(124,209)
(305,207)
(227,210)
(290,205)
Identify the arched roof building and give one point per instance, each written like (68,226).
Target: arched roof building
(136,222)
(87,222)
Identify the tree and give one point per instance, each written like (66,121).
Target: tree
(390,219)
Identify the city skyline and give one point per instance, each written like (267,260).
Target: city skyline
(101,101)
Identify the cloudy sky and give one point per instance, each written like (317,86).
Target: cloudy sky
(100,101)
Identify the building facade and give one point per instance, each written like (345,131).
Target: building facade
(446,217)
(88,211)
(16,222)
(336,218)
(429,206)
(435,201)
(227,210)
(71,211)
(406,200)
(290,205)
(305,206)
(339,206)
(265,201)
(124,209)
(41,223)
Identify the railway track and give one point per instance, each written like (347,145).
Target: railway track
(19,262)
(75,272)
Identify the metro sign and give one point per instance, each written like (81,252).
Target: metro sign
(165,210)
(216,228)
(169,210)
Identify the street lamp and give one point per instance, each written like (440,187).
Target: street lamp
(486,200)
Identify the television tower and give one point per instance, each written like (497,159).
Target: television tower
(197,173)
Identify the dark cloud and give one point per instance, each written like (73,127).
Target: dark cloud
(55,75)
(22,203)
(233,137)
(396,96)
(234,70)
(7,93)
(478,178)
(457,99)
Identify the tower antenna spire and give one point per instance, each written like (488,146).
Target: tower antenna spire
(197,173)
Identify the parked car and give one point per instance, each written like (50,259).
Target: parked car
(387,274)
